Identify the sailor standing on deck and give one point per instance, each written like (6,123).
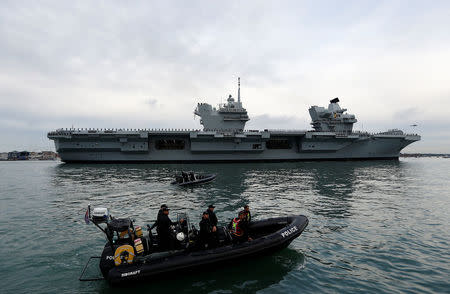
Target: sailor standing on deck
(160,213)
(214,240)
(212,217)
(165,232)
(206,238)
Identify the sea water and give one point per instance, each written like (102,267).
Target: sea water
(374,226)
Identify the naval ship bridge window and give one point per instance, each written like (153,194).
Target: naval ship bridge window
(278,144)
(170,144)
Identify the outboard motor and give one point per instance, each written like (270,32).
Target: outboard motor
(100,215)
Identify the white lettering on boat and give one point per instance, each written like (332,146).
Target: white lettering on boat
(110,257)
(288,232)
(131,273)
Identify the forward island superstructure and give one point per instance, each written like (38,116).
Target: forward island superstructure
(224,139)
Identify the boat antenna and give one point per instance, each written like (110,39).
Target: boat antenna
(239,90)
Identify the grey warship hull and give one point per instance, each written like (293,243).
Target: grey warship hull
(224,139)
(172,146)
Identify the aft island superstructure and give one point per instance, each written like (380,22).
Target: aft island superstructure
(224,139)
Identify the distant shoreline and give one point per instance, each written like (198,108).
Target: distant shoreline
(32,160)
(425,155)
(55,157)
(27,155)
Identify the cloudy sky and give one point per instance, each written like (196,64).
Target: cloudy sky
(146,65)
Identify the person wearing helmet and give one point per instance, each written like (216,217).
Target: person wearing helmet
(238,228)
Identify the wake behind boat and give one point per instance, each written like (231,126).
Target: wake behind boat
(130,256)
(190,178)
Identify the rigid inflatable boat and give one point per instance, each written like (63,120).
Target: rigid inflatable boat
(130,256)
(188,179)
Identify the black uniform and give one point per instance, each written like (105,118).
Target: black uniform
(244,226)
(166,240)
(212,217)
(160,212)
(206,234)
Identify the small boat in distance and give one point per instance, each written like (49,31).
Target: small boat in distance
(190,178)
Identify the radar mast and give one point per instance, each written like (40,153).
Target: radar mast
(239,90)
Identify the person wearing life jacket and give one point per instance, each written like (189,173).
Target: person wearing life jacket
(238,228)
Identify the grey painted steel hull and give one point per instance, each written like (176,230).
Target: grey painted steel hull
(199,146)
(223,139)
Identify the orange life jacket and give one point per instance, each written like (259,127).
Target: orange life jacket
(236,228)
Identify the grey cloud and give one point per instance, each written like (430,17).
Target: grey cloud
(267,121)
(94,63)
(152,102)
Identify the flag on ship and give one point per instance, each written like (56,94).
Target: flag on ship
(86,216)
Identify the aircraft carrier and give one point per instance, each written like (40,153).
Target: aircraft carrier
(224,139)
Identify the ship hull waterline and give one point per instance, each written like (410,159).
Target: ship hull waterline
(381,149)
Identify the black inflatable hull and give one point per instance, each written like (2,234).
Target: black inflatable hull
(291,228)
(206,179)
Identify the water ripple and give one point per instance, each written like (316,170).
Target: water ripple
(377,227)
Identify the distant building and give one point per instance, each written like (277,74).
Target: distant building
(16,155)
(47,155)
(43,155)
(13,155)
(4,156)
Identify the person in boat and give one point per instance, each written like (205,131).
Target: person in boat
(212,217)
(192,176)
(238,228)
(160,213)
(206,238)
(248,215)
(213,221)
(185,176)
(165,232)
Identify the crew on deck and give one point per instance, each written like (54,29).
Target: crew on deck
(165,232)
(206,237)
(160,213)
(248,215)
(238,228)
(212,217)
